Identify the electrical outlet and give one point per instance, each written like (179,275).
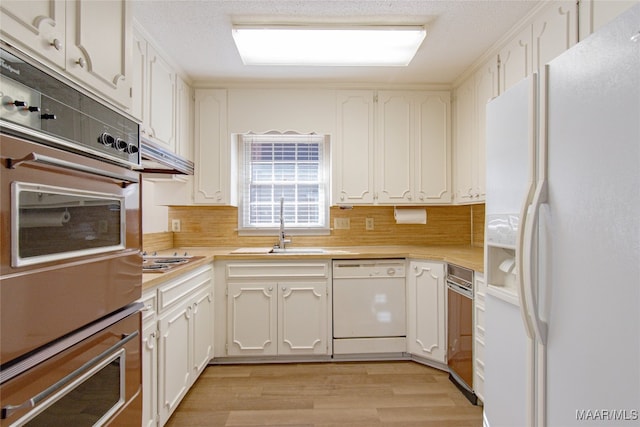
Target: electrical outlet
(175,225)
(368,224)
(341,223)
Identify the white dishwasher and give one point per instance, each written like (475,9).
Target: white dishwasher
(369,301)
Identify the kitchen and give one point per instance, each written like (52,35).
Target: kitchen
(368,199)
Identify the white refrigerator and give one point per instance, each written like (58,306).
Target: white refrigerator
(562,241)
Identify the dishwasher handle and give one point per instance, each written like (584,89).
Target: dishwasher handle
(465,292)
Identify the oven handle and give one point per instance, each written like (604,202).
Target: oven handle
(39,158)
(31,403)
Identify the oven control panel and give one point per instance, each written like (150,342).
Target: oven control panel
(40,107)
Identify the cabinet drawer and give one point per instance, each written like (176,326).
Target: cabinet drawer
(479,321)
(150,301)
(178,288)
(279,270)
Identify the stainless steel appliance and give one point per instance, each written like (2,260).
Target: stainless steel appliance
(163,263)
(70,268)
(369,303)
(460,329)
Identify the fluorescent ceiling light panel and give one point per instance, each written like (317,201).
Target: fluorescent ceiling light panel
(330,46)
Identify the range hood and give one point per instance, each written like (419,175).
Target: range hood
(159,160)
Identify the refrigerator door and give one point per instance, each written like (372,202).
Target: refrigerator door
(511,137)
(590,286)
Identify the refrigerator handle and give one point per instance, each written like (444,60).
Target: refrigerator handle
(522,294)
(524,210)
(528,255)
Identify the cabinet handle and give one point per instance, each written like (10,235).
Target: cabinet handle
(270,288)
(284,289)
(81,62)
(57,44)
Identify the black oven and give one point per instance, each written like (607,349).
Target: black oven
(70,264)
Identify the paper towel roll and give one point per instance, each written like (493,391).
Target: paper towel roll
(44,219)
(410,216)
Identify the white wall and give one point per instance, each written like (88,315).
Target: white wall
(155,218)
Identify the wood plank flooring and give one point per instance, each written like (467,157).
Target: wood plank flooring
(358,394)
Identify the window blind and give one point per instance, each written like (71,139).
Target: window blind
(288,166)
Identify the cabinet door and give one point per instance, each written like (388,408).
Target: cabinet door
(162,100)
(184,100)
(432,179)
(215,170)
(174,377)
(37,25)
(464,140)
(395,148)
(486,88)
(554,31)
(515,60)
(252,319)
(202,332)
(302,318)
(149,374)
(139,90)
(426,311)
(353,153)
(99,46)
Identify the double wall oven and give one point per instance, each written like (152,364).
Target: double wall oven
(70,272)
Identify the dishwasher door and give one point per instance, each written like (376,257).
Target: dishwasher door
(369,299)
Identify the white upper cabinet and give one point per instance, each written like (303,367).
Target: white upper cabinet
(471,104)
(37,26)
(101,58)
(392,147)
(161,125)
(161,98)
(353,151)
(554,30)
(432,176)
(395,148)
(89,41)
(184,119)
(215,168)
(515,60)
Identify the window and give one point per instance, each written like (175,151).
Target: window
(288,166)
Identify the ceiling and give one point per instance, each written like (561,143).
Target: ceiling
(196,34)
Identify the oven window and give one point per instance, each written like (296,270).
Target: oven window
(52,223)
(90,403)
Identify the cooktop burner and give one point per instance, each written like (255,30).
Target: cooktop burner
(163,263)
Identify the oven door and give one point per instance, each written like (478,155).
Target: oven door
(95,380)
(70,243)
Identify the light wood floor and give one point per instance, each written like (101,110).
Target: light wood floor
(326,394)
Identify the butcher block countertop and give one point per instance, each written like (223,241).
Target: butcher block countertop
(465,256)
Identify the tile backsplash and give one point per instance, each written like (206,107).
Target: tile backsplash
(217,226)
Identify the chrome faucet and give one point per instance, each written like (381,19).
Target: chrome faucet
(282,238)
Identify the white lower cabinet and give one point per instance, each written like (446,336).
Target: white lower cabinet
(178,343)
(149,360)
(278,309)
(479,289)
(426,311)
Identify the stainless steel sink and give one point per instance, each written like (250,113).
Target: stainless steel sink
(293,251)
